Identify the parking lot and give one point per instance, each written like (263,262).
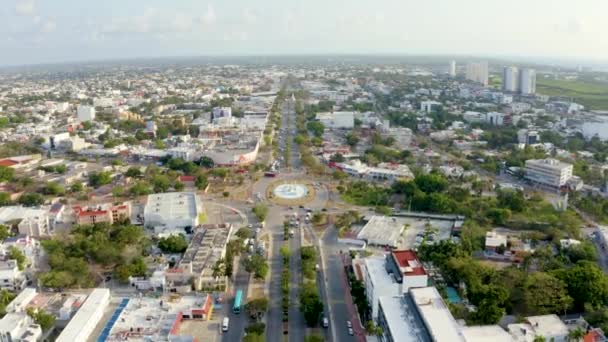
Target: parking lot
(416,228)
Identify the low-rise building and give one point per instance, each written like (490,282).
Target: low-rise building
(11,277)
(337,120)
(19,327)
(378,283)
(548,326)
(172,211)
(29,221)
(104,213)
(82,325)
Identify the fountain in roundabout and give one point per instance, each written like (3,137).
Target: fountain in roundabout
(291,191)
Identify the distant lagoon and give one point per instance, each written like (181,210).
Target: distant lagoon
(599,127)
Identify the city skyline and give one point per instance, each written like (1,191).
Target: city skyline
(37,32)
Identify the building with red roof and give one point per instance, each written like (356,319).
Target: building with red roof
(102,213)
(407,269)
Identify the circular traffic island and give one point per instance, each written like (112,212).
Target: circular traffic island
(290,192)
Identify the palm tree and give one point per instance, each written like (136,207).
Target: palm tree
(6,297)
(539,338)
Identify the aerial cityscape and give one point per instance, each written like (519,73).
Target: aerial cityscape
(329,192)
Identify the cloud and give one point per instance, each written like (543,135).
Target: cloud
(25,7)
(48,26)
(210,17)
(249,16)
(151,21)
(572,26)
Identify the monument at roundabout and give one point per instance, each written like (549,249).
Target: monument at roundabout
(290,192)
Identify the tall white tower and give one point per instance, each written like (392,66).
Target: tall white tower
(452,68)
(527,81)
(478,72)
(510,79)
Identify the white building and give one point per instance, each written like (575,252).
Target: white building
(478,72)
(382,231)
(551,172)
(527,83)
(337,120)
(172,211)
(11,278)
(86,113)
(378,283)
(427,106)
(510,79)
(406,269)
(19,327)
(452,68)
(221,112)
(82,325)
(484,333)
(548,326)
(103,102)
(528,137)
(32,222)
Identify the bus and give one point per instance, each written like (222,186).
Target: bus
(236,308)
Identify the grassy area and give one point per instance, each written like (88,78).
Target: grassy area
(593,95)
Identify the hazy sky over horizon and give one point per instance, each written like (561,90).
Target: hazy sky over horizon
(49,31)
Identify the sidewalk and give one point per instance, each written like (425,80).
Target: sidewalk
(352,309)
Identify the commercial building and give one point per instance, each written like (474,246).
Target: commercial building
(156,319)
(383,172)
(478,72)
(550,172)
(85,320)
(382,231)
(172,211)
(337,120)
(86,113)
(510,79)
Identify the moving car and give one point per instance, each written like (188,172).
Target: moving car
(225,323)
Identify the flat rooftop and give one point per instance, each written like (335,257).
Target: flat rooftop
(208,245)
(379,277)
(172,205)
(486,333)
(402,329)
(152,319)
(382,230)
(438,319)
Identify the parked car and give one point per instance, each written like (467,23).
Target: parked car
(349,324)
(350,331)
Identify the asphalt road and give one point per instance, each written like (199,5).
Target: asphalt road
(238,322)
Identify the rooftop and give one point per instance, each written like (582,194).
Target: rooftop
(82,316)
(437,317)
(401,325)
(172,205)
(486,333)
(378,275)
(208,245)
(382,230)
(408,262)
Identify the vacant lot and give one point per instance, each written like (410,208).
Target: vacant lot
(593,95)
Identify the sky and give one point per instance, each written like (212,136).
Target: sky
(52,31)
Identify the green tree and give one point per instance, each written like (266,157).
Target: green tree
(257,307)
(253,338)
(310,304)
(5,199)
(133,172)
(585,283)
(5,232)
(161,183)
(256,328)
(6,174)
(260,210)
(313,338)
(76,187)
(30,199)
(140,188)
(545,294)
(257,265)
(97,179)
(118,191)
(42,318)
(201,181)
(53,188)
(352,139)
(15,254)
(173,244)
